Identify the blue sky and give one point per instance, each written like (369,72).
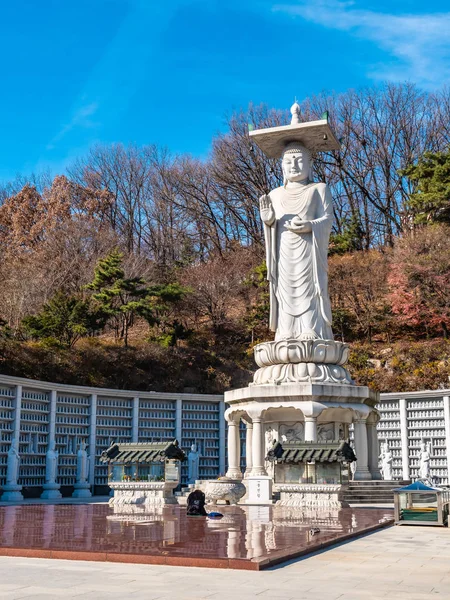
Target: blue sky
(78,72)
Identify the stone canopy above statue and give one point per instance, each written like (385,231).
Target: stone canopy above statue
(317,136)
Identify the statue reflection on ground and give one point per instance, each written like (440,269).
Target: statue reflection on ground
(258,534)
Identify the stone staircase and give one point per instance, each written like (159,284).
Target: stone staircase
(372,492)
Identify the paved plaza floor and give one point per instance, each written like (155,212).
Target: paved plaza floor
(410,563)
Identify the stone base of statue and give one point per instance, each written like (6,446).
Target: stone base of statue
(12,493)
(82,490)
(259,489)
(225,490)
(342,394)
(301,361)
(308,495)
(51,491)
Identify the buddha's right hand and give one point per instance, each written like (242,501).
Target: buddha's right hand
(266,209)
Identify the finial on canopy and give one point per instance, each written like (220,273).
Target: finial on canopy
(295,112)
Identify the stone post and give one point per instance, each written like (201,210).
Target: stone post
(248,450)
(12,491)
(446,400)
(310,429)
(51,488)
(234,471)
(179,420)
(373,450)
(92,440)
(404,438)
(362,470)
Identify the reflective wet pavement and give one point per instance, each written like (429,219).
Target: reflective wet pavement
(248,537)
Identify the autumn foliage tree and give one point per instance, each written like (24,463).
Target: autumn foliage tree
(358,292)
(28,218)
(419,280)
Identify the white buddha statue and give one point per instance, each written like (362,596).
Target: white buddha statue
(297,221)
(51,463)
(424,461)
(82,464)
(386,462)
(12,464)
(193,464)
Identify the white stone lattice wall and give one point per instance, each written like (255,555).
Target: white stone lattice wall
(98,417)
(406,420)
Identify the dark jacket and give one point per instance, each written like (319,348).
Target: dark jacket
(196,504)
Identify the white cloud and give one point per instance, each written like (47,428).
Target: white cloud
(81,117)
(419,44)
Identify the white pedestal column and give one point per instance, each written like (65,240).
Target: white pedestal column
(362,470)
(259,484)
(373,451)
(248,450)
(257,449)
(222,452)
(310,429)
(234,471)
(12,491)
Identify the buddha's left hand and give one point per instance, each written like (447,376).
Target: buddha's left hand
(298,226)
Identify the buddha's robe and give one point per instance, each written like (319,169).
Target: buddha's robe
(297,267)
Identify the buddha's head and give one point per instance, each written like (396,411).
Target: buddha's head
(296,163)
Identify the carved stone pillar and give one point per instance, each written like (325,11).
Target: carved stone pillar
(361,449)
(234,454)
(248,450)
(310,429)
(257,448)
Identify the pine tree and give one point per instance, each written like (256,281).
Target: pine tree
(257,315)
(64,319)
(431,201)
(121,299)
(349,240)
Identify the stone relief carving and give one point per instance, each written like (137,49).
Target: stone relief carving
(292,432)
(313,496)
(325,433)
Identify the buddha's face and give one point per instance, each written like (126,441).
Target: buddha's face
(296,165)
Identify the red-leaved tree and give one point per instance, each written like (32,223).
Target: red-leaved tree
(419,280)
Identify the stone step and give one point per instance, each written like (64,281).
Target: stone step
(369,492)
(381,483)
(349,497)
